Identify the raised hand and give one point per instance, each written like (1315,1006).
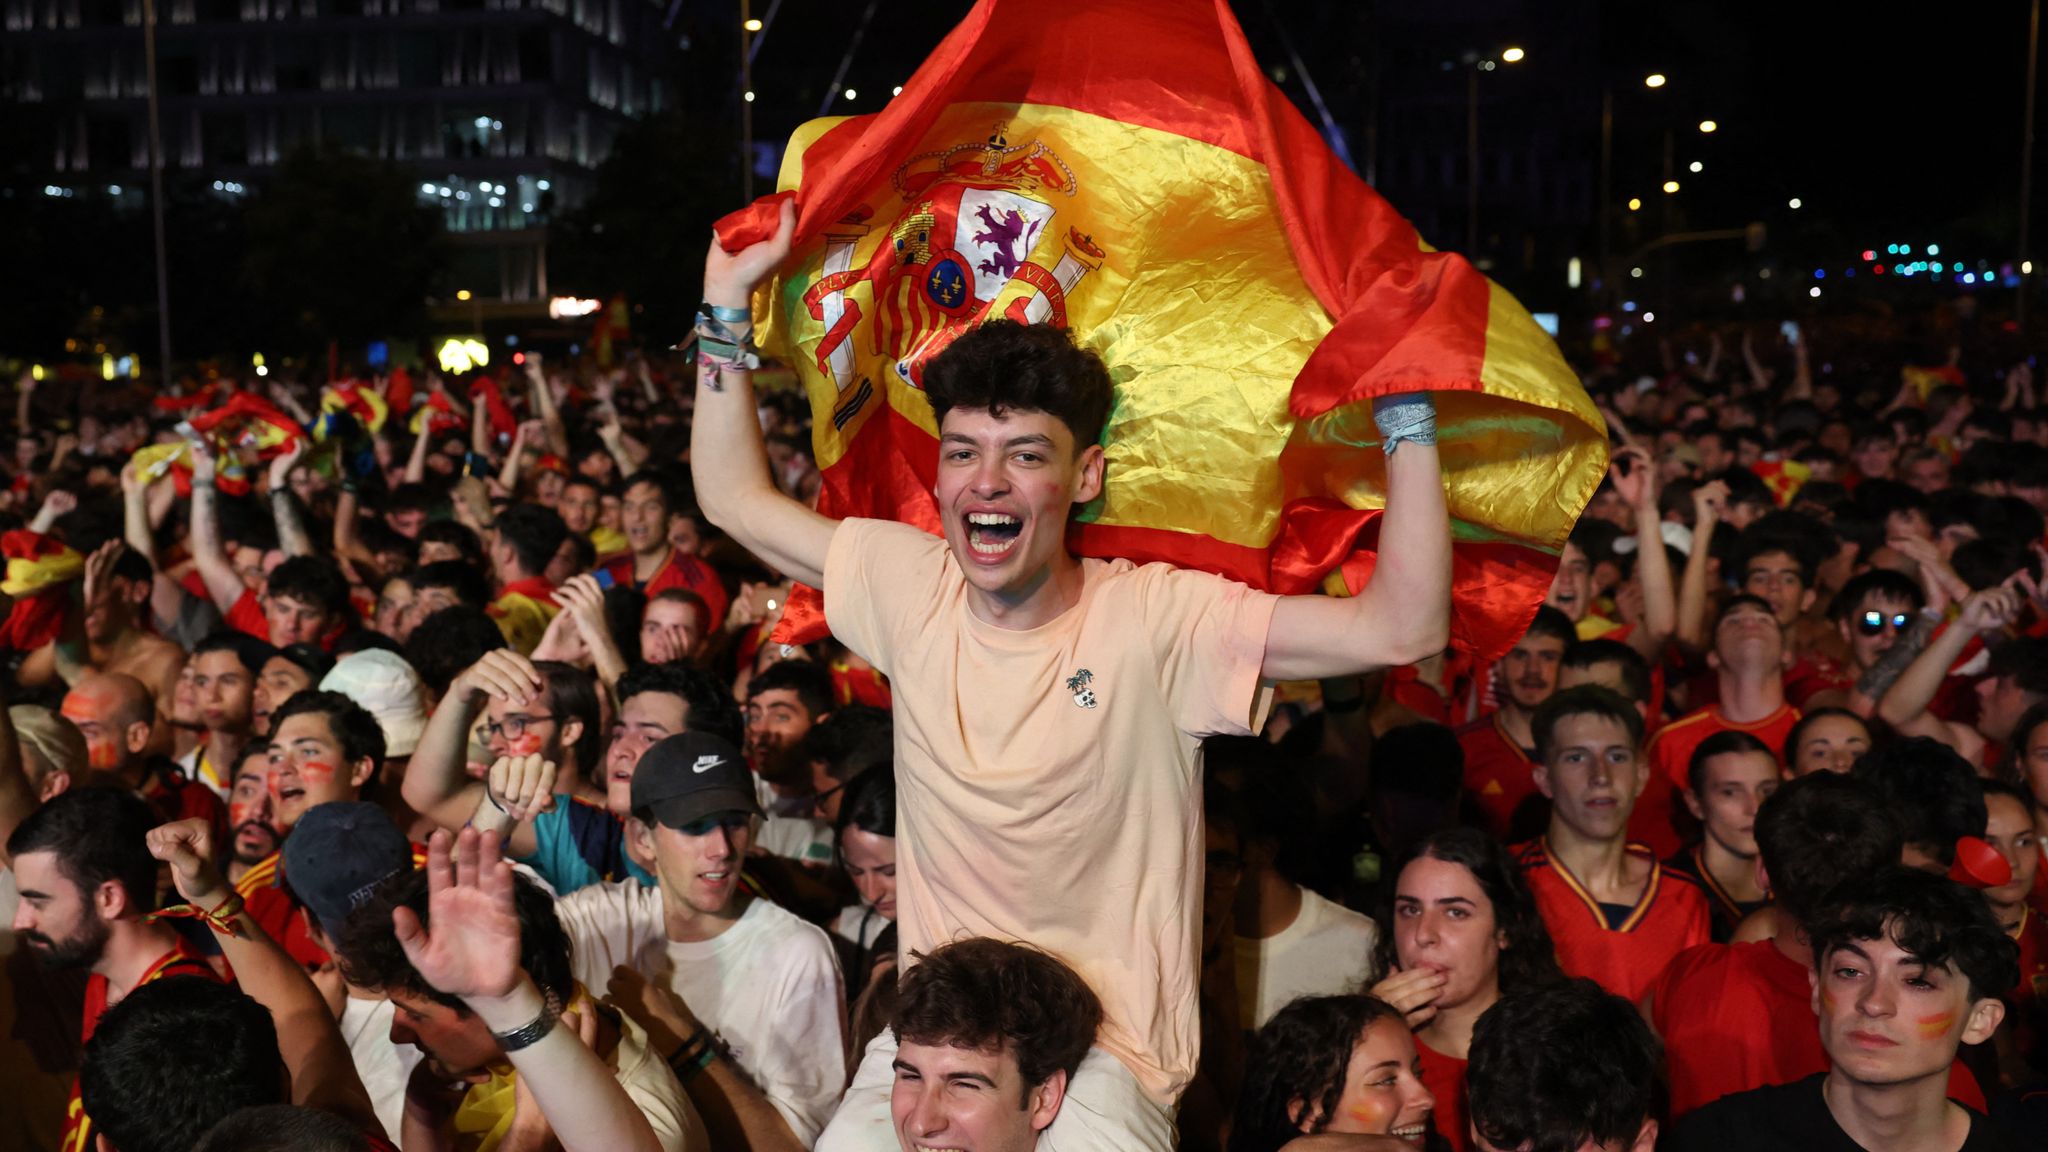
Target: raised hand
(469,946)
(1634,478)
(281,465)
(99,571)
(60,502)
(204,462)
(1709,504)
(502,675)
(583,601)
(1991,609)
(524,786)
(730,277)
(187,846)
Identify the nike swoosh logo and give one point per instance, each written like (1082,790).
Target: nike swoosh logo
(707,763)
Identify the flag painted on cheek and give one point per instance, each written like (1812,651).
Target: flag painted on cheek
(1124,169)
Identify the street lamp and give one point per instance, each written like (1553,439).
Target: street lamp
(1654,80)
(1474,65)
(1708,126)
(1670,186)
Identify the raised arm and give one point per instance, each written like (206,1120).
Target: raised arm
(529,435)
(728,461)
(437,783)
(1638,485)
(543,405)
(416,464)
(469,948)
(1404,613)
(1904,704)
(316,1058)
(1708,502)
(292,537)
(215,571)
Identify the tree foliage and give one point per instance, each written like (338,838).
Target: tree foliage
(644,227)
(340,248)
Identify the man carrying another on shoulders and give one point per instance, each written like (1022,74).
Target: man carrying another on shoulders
(1038,693)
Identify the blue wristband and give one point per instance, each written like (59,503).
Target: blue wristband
(1409,416)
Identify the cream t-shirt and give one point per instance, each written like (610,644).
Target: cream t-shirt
(647,1079)
(1327,951)
(1048,785)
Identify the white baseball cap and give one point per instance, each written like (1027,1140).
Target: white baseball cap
(386,687)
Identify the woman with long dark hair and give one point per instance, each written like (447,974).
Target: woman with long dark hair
(1331,1064)
(1461,932)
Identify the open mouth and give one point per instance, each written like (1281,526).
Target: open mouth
(1412,1133)
(290,795)
(992,533)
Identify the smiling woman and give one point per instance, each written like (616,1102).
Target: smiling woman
(1340,1064)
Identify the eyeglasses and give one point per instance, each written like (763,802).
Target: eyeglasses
(1873,622)
(818,800)
(512,727)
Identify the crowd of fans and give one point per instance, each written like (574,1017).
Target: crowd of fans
(431,778)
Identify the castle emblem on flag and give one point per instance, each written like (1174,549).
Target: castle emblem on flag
(975,223)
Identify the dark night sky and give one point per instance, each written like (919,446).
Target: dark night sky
(1889,121)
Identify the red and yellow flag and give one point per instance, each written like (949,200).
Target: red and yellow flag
(1124,168)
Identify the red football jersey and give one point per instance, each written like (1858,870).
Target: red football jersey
(1660,818)
(1739,1016)
(179,961)
(1444,1076)
(679,571)
(1669,917)
(1498,775)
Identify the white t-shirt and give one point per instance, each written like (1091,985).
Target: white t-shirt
(654,1088)
(859,924)
(768,987)
(383,1066)
(798,838)
(1327,951)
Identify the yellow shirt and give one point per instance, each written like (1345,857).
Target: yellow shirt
(1049,783)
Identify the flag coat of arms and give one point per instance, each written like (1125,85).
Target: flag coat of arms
(1124,169)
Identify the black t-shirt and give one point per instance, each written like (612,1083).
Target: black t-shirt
(1793,1118)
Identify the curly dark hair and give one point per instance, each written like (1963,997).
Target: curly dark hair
(373,958)
(314,581)
(1003,365)
(1938,921)
(1554,1067)
(1299,1057)
(1528,959)
(984,994)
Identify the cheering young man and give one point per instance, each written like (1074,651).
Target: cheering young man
(1050,708)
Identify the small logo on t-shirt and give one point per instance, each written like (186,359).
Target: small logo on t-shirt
(1084,696)
(707,763)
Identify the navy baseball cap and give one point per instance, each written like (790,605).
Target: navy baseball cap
(688,777)
(338,854)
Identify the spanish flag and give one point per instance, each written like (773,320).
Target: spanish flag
(1124,168)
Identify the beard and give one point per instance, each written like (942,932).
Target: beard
(81,949)
(270,844)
